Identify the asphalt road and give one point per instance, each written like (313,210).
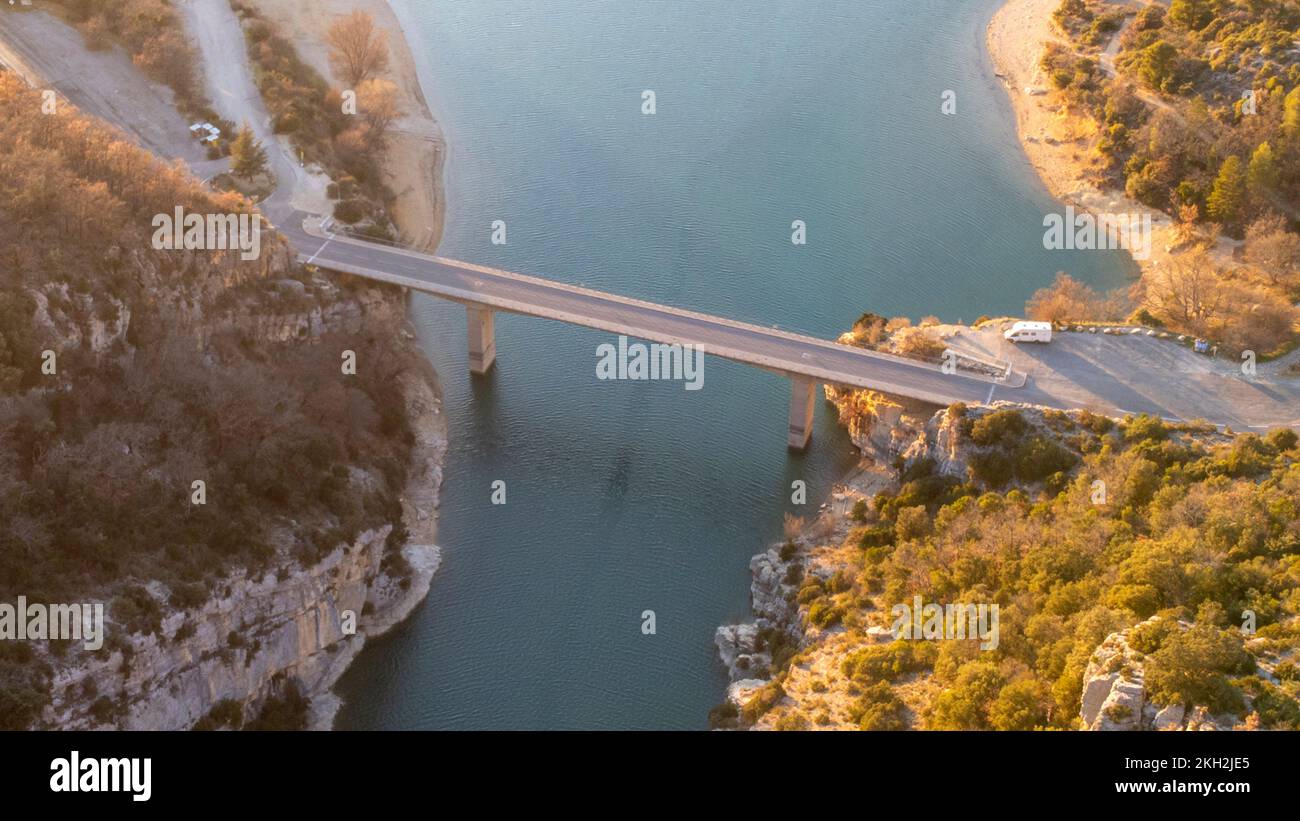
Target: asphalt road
(1114,375)
(768,348)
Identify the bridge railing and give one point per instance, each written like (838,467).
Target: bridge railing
(964,361)
(980,364)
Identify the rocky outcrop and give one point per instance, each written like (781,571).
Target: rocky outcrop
(746,649)
(886,428)
(740,646)
(302,313)
(1114,695)
(881,427)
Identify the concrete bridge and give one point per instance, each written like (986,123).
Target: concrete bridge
(805,360)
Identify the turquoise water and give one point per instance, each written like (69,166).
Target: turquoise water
(623,497)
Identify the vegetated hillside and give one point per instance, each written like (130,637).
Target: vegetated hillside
(1203,123)
(168,373)
(1185,525)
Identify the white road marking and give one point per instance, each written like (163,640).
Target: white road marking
(318,250)
(989,398)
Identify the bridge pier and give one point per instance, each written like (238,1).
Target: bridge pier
(482,339)
(802,392)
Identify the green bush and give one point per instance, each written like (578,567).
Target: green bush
(1036,458)
(1002,427)
(825,613)
(1144,428)
(350,211)
(879,709)
(993,468)
(1192,667)
(1281,439)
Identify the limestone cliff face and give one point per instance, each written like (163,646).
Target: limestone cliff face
(195,290)
(746,649)
(739,645)
(885,427)
(299,314)
(302,624)
(251,634)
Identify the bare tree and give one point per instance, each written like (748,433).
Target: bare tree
(377,104)
(1187,290)
(358,50)
(1068,300)
(1274,250)
(1188,214)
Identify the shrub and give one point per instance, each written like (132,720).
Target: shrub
(1037,458)
(879,709)
(103,709)
(724,716)
(1144,428)
(225,713)
(1098,424)
(860,510)
(792,721)
(992,468)
(825,613)
(913,523)
(965,704)
(350,211)
(1021,705)
(1002,427)
(286,711)
(1149,637)
(1282,439)
(763,700)
(1192,667)
(886,662)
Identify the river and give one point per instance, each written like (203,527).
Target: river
(624,497)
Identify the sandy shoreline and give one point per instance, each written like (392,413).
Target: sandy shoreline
(417,148)
(1059,145)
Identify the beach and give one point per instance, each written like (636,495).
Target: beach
(416,148)
(1060,144)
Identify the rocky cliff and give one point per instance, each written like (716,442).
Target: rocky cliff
(302,624)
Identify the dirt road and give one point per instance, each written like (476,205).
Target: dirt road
(47,53)
(228,80)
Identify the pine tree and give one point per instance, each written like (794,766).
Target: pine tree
(247,156)
(1291,116)
(1225,202)
(1261,177)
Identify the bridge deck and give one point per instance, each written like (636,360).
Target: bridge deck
(780,351)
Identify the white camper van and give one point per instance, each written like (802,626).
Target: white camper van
(1029,332)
